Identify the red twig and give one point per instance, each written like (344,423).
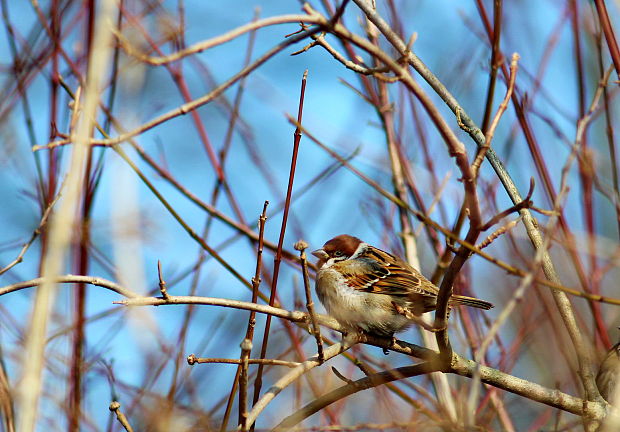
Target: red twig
(608,31)
(278,257)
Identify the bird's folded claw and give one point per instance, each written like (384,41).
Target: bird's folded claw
(391,346)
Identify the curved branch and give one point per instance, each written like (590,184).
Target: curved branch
(370,381)
(215,41)
(92,280)
(294,316)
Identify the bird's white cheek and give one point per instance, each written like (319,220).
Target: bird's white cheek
(330,262)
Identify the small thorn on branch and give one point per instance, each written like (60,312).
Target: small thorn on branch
(525,203)
(342,377)
(303,28)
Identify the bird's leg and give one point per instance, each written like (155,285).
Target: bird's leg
(361,335)
(356,333)
(416,318)
(431,328)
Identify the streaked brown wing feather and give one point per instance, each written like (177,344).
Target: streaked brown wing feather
(362,277)
(382,273)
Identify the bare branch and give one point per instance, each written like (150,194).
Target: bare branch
(316,331)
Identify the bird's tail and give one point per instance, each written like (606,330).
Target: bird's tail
(470,301)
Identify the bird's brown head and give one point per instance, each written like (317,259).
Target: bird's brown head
(339,248)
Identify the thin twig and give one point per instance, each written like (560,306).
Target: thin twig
(498,232)
(608,31)
(316,331)
(525,203)
(341,376)
(500,111)
(34,235)
(115,407)
(495,61)
(192,360)
(213,42)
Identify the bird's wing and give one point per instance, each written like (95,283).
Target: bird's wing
(379,272)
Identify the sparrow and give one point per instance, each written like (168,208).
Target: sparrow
(369,290)
(609,373)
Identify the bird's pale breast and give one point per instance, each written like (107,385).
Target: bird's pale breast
(355,309)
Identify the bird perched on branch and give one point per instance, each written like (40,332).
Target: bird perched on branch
(609,372)
(370,290)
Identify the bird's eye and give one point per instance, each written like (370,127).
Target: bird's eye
(337,254)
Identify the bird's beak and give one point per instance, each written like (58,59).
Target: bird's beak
(320,254)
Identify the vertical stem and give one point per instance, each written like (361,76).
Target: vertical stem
(496,58)
(609,129)
(316,331)
(81,255)
(608,31)
(246,348)
(61,226)
(278,257)
(249,333)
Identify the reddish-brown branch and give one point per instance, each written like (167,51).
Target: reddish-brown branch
(495,61)
(608,31)
(278,256)
(82,257)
